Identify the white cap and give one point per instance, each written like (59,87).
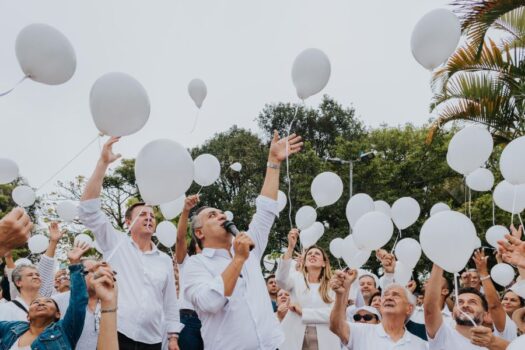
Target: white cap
(369,309)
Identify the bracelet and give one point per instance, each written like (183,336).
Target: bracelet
(173,335)
(273,166)
(484,278)
(103,311)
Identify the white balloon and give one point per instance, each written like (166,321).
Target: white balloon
(281,200)
(511,161)
(207,169)
(405,212)
(439,207)
(119,104)
(45,54)
(236,166)
(24,196)
(496,233)
(480,179)
(163,171)
(353,256)
(310,72)
(268,263)
(229,215)
(173,209)
(83,238)
(502,274)
(469,149)
(198,91)
(402,273)
(337,247)
(448,239)
(477,243)
(510,198)
(326,189)
(357,206)
(311,235)
(23,261)
(383,207)
(408,251)
(517,344)
(519,288)
(435,37)
(166,233)
(305,217)
(373,230)
(8,171)
(38,244)
(67,210)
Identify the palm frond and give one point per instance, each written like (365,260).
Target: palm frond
(477,16)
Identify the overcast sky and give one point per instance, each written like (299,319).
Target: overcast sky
(242,49)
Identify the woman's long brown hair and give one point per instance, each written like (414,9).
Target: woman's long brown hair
(324,278)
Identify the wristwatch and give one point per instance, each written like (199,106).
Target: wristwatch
(273,166)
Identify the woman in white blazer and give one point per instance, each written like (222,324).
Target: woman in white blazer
(306,324)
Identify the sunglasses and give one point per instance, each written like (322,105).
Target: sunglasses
(367,317)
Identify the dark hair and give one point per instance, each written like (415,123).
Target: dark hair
(129,211)
(376,294)
(268,277)
(470,290)
(521,300)
(193,224)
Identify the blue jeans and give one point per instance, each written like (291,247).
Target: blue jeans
(190,337)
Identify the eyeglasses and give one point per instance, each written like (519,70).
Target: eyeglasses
(366,317)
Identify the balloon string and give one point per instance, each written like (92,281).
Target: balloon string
(493,211)
(128,231)
(69,162)
(395,242)
(14,87)
(465,190)
(521,222)
(288,179)
(470,203)
(200,189)
(339,263)
(195,120)
(456,276)
(513,207)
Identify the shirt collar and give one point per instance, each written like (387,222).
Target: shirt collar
(154,249)
(210,252)
(406,338)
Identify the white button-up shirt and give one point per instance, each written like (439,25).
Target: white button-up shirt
(147,292)
(373,336)
(245,320)
(183,303)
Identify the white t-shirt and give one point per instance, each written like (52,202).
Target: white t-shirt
(448,338)
(510,332)
(183,303)
(373,336)
(16,347)
(88,338)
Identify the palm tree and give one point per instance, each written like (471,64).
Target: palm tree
(484,80)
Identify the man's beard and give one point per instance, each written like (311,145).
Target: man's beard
(466,322)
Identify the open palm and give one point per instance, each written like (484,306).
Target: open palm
(281,148)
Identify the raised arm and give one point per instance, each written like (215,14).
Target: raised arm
(73,321)
(340,284)
(94,185)
(282,275)
(182,229)
(46,264)
(107,292)
(496,310)
(432,305)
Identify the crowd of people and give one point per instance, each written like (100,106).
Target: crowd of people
(212,293)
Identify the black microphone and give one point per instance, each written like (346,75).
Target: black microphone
(231,228)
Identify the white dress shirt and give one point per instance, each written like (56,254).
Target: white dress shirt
(183,303)
(147,291)
(245,320)
(373,336)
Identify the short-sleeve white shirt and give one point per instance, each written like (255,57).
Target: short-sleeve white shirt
(373,336)
(448,338)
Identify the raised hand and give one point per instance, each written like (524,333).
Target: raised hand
(481,262)
(77,251)
(104,283)
(513,251)
(190,202)
(107,156)
(280,148)
(388,261)
(293,235)
(54,232)
(15,229)
(342,280)
(411,286)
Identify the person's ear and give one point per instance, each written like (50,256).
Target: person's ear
(199,234)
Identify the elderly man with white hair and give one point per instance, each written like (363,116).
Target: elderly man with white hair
(397,304)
